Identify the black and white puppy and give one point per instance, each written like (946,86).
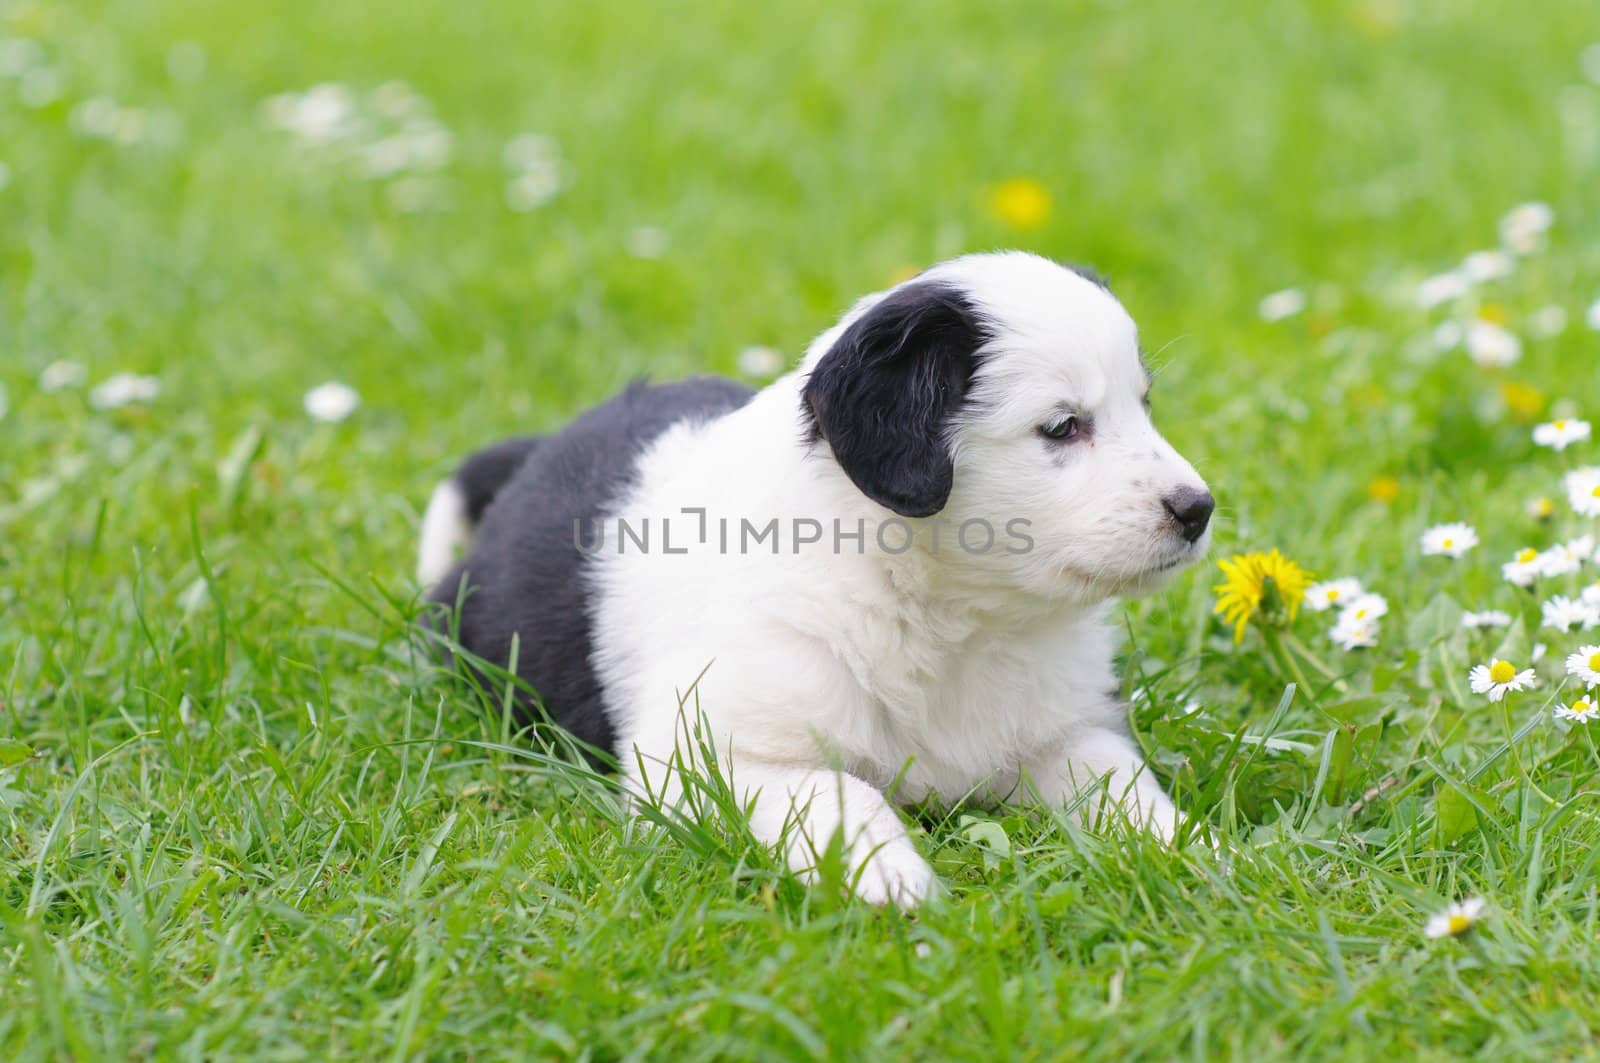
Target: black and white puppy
(892,567)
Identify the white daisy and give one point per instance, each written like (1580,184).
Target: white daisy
(1591,316)
(1591,594)
(1455,920)
(1447,335)
(1581,711)
(1561,434)
(1320,596)
(1498,678)
(18,55)
(1524,568)
(1354,633)
(1483,266)
(1492,346)
(331,402)
(1523,228)
(1442,288)
(385,158)
(322,114)
(1547,321)
(1564,614)
(428,144)
(412,195)
(532,190)
(1539,650)
(123,389)
(531,151)
(760,361)
(1451,540)
(1487,618)
(1584,665)
(1540,508)
(647,241)
(396,100)
(1279,305)
(325,112)
(95,117)
(1583,491)
(186,62)
(58,376)
(1560,560)
(1364,607)
(40,87)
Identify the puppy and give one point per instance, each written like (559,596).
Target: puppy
(884,577)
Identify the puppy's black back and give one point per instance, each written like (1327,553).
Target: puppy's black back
(525,577)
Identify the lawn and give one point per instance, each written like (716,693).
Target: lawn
(242,815)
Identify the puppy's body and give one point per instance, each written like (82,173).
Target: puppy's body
(996,390)
(528,581)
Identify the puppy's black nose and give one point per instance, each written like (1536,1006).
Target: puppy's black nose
(1191,509)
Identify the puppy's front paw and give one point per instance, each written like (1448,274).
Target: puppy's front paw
(895,873)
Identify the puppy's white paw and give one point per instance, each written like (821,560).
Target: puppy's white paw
(896,874)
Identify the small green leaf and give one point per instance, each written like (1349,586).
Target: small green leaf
(1359,709)
(1340,757)
(988,833)
(1439,619)
(13,752)
(1515,646)
(1457,815)
(988,836)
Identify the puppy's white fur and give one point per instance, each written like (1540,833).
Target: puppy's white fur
(829,676)
(446,532)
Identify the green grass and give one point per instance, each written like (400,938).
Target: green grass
(255,822)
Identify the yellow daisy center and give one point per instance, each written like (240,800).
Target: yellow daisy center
(1333,594)
(1594,662)
(1458,924)
(1582,707)
(1543,507)
(1594,492)
(1502,671)
(1449,543)
(1561,426)
(1526,554)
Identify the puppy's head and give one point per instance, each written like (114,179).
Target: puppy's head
(1007,392)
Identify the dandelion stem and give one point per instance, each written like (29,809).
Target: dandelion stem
(1315,662)
(1274,640)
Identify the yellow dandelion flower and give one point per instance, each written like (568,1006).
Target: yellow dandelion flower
(1021,202)
(1383,489)
(1525,401)
(1261,584)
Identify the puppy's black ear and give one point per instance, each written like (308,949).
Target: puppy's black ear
(884,394)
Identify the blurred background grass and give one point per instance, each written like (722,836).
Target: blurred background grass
(772,162)
(792,158)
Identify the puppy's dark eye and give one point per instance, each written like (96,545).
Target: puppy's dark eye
(1064,429)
